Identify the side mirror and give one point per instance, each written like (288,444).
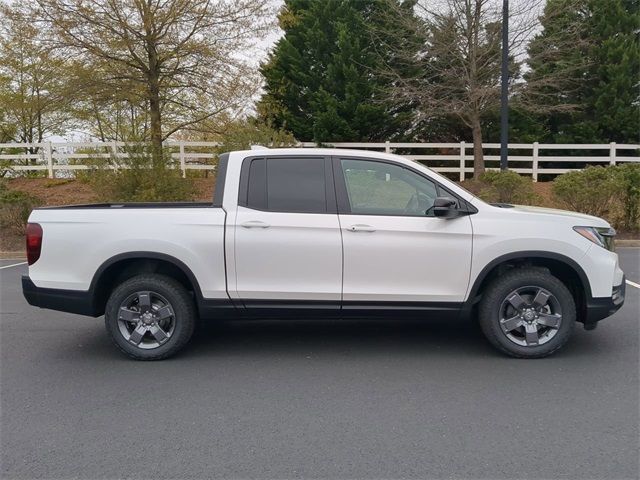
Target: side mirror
(445,207)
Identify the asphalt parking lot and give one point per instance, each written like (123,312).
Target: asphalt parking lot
(316,400)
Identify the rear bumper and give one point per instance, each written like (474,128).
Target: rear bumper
(600,308)
(71,301)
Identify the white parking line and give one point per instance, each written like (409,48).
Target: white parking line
(633,284)
(24,263)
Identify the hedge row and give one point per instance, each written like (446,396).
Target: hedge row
(612,193)
(609,192)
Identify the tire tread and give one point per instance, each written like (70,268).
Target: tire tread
(180,301)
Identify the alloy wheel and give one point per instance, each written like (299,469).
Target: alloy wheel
(146,319)
(530,316)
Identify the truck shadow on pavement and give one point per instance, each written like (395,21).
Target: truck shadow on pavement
(275,338)
(433,337)
(363,338)
(319,337)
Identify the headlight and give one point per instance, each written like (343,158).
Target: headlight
(602,236)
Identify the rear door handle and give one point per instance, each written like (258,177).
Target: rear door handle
(361,228)
(255,224)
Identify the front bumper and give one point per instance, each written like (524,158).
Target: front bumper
(600,308)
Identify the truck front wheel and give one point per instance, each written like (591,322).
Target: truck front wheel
(527,313)
(150,317)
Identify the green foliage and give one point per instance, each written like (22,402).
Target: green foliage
(612,193)
(15,208)
(588,56)
(609,192)
(94,163)
(320,80)
(593,191)
(628,178)
(8,127)
(34,95)
(524,126)
(151,69)
(507,187)
(5,168)
(616,69)
(141,179)
(241,135)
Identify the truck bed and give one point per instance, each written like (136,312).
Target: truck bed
(133,205)
(88,236)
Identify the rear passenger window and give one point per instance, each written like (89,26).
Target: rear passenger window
(257,188)
(296,185)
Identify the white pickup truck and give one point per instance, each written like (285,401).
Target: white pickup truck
(324,233)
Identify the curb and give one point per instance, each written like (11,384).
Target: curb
(628,243)
(17,255)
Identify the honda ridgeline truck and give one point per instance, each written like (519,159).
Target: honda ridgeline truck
(310,233)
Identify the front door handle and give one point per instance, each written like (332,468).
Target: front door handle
(255,224)
(361,228)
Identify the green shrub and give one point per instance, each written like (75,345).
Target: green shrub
(15,208)
(609,192)
(507,187)
(628,179)
(6,168)
(241,134)
(141,179)
(94,163)
(593,191)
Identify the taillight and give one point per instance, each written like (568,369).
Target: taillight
(34,242)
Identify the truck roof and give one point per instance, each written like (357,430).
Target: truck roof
(345,152)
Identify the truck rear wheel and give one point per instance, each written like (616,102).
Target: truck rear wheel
(150,317)
(527,313)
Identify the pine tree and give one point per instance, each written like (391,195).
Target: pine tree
(615,100)
(320,80)
(586,65)
(455,79)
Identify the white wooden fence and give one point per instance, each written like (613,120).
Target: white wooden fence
(68,156)
(533,159)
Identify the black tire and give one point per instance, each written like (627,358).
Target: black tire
(183,316)
(496,298)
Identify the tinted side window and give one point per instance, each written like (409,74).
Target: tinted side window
(286,185)
(257,184)
(296,185)
(378,188)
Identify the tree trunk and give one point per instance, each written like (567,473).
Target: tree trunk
(154,105)
(98,121)
(156,121)
(478,156)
